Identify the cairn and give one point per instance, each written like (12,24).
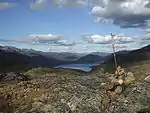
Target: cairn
(119,79)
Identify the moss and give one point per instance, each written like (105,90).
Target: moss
(37,72)
(105,100)
(148,107)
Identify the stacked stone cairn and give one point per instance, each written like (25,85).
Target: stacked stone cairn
(118,80)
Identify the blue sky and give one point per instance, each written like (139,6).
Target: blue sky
(19,20)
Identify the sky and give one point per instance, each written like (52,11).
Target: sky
(75,25)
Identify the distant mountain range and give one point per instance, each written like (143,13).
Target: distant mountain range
(12,58)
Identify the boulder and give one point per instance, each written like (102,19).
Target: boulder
(129,78)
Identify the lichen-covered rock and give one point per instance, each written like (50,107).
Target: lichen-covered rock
(13,76)
(129,78)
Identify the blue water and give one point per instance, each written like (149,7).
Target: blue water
(82,67)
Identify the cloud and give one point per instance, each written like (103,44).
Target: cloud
(107,39)
(48,38)
(143,39)
(146,37)
(13,40)
(97,39)
(66,43)
(39,4)
(147,30)
(70,3)
(126,14)
(5,5)
(118,47)
(36,39)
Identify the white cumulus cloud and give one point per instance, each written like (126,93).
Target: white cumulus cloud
(48,38)
(107,39)
(66,43)
(146,36)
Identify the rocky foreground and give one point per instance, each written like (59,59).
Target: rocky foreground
(66,91)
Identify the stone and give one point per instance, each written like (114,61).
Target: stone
(119,71)
(114,80)
(129,78)
(120,81)
(110,86)
(103,84)
(126,101)
(147,79)
(2,75)
(118,90)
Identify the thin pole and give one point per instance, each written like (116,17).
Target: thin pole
(113,46)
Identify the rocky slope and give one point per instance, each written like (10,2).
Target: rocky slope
(67,91)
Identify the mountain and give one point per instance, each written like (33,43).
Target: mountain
(133,56)
(90,59)
(126,58)
(103,54)
(12,58)
(64,56)
(78,58)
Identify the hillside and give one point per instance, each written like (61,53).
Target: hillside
(90,59)
(126,59)
(14,59)
(63,56)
